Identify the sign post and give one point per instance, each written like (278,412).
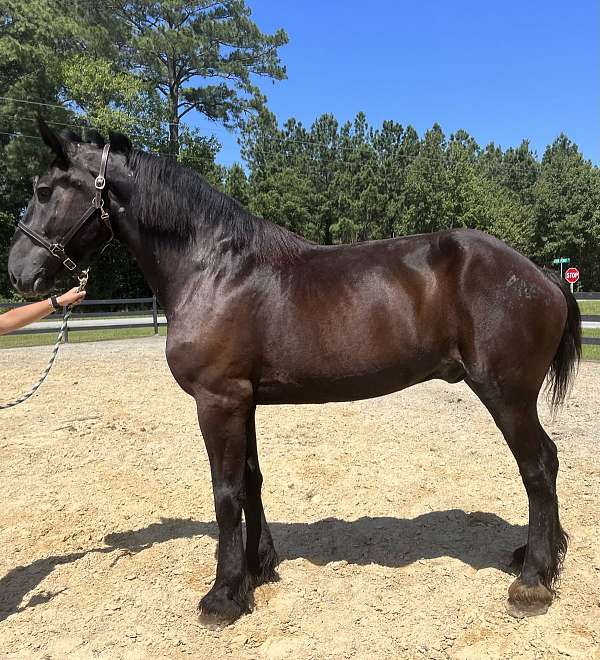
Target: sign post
(561,261)
(572,276)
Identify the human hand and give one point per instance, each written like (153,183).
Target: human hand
(72,297)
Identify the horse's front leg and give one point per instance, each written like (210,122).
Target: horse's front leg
(223,422)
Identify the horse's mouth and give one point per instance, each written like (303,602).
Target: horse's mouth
(41,285)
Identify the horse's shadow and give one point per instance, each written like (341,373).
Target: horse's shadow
(482,540)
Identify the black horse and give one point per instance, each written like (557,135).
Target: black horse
(258,315)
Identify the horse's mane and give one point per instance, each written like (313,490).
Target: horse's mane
(174,202)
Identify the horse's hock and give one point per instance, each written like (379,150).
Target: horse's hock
(394,519)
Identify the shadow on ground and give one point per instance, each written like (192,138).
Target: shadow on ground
(482,540)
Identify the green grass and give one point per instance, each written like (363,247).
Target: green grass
(589,306)
(590,352)
(77,336)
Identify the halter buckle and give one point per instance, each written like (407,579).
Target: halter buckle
(57,250)
(100,182)
(69,264)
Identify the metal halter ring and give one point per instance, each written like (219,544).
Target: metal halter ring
(100,182)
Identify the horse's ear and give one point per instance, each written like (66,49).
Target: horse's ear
(53,141)
(120,143)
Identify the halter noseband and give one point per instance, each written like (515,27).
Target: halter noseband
(58,249)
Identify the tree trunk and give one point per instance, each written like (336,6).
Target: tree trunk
(173,110)
(328,237)
(173,131)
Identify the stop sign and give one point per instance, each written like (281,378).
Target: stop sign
(572,275)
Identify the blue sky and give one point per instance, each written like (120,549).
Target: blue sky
(503,71)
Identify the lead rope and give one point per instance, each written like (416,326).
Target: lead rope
(59,340)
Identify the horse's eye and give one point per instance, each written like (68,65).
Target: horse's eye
(43,193)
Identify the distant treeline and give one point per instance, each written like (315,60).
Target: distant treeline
(352,182)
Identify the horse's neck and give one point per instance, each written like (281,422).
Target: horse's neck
(152,257)
(169,270)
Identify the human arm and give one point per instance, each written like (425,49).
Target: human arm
(21,316)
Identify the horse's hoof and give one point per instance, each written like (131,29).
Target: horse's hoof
(215,620)
(522,610)
(524,600)
(215,611)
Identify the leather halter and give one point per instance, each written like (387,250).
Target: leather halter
(57,249)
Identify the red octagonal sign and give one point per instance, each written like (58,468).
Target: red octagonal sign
(572,275)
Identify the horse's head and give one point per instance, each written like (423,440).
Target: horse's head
(62,196)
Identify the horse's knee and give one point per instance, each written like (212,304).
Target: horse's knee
(229,500)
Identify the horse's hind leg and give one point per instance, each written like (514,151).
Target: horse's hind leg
(532,592)
(261,557)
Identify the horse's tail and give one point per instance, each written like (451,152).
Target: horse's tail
(564,365)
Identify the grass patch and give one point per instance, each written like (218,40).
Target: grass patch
(589,306)
(77,336)
(590,352)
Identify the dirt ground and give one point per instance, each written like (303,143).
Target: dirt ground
(394,519)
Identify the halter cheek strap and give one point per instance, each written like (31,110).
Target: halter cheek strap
(58,249)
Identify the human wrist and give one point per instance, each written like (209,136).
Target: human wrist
(55,304)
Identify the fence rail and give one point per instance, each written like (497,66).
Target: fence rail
(593,318)
(156,322)
(85,303)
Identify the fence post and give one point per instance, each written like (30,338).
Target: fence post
(155,315)
(66,334)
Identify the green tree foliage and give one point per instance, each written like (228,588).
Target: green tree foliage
(282,176)
(138,67)
(236,184)
(354,182)
(567,208)
(199,55)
